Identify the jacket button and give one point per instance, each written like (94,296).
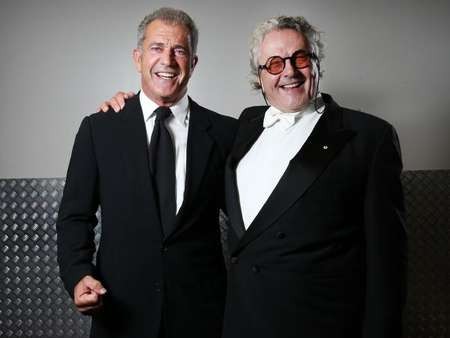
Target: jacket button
(281,235)
(164,249)
(157,287)
(234,260)
(255,268)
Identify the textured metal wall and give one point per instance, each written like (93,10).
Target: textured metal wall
(33,302)
(427,200)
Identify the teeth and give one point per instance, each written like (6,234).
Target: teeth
(166,75)
(292,85)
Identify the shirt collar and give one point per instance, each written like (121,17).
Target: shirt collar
(287,120)
(180,109)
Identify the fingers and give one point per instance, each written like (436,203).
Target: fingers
(120,98)
(129,95)
(112,103)
(104,107)
(88,294)
(88,309)
(117,102)
(94,285)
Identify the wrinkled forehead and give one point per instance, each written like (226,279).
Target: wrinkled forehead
(167,30)
(282,42)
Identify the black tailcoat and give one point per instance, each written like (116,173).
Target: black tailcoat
(325,256)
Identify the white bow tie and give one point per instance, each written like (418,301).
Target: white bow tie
(272,116)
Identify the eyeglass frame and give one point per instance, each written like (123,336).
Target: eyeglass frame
(290,58)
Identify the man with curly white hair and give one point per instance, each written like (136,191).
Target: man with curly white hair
(314,197)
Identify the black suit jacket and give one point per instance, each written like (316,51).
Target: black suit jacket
(179,278)
(325,256)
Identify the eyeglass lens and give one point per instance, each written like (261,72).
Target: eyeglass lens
(275,65)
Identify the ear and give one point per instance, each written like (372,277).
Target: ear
(261,84)
(314,87)
(137,58)
(194,62)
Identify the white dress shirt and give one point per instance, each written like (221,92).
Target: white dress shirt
(260,170)
(178,125)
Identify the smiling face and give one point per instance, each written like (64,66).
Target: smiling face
(165,62)
(292,89)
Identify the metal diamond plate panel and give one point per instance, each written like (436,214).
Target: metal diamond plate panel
(34,303)
(427,200)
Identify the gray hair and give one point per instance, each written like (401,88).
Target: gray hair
(297,23)
(172,16)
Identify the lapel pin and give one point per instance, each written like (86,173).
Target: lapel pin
(325,147)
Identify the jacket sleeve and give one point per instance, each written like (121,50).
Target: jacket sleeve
(76,217)
(385,237)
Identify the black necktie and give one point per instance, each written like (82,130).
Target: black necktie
(162,166)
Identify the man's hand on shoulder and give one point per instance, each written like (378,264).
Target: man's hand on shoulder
(117,102)
(88,294)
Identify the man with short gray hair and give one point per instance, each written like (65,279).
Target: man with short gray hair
(156,171)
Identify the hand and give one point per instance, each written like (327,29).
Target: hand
(117,102)
(88,294)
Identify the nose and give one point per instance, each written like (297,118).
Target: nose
(289,69)
(167,56)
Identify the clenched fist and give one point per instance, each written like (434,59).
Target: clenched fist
(88,294)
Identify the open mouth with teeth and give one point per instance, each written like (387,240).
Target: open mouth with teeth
(166,75)
(291,85)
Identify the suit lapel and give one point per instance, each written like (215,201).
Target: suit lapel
(248,134)
(232,200)
(326,140)
(250,130)
(199,146)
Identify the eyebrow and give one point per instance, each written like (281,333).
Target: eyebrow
(162,44)
(181,47)
(159,44)
(301,50)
